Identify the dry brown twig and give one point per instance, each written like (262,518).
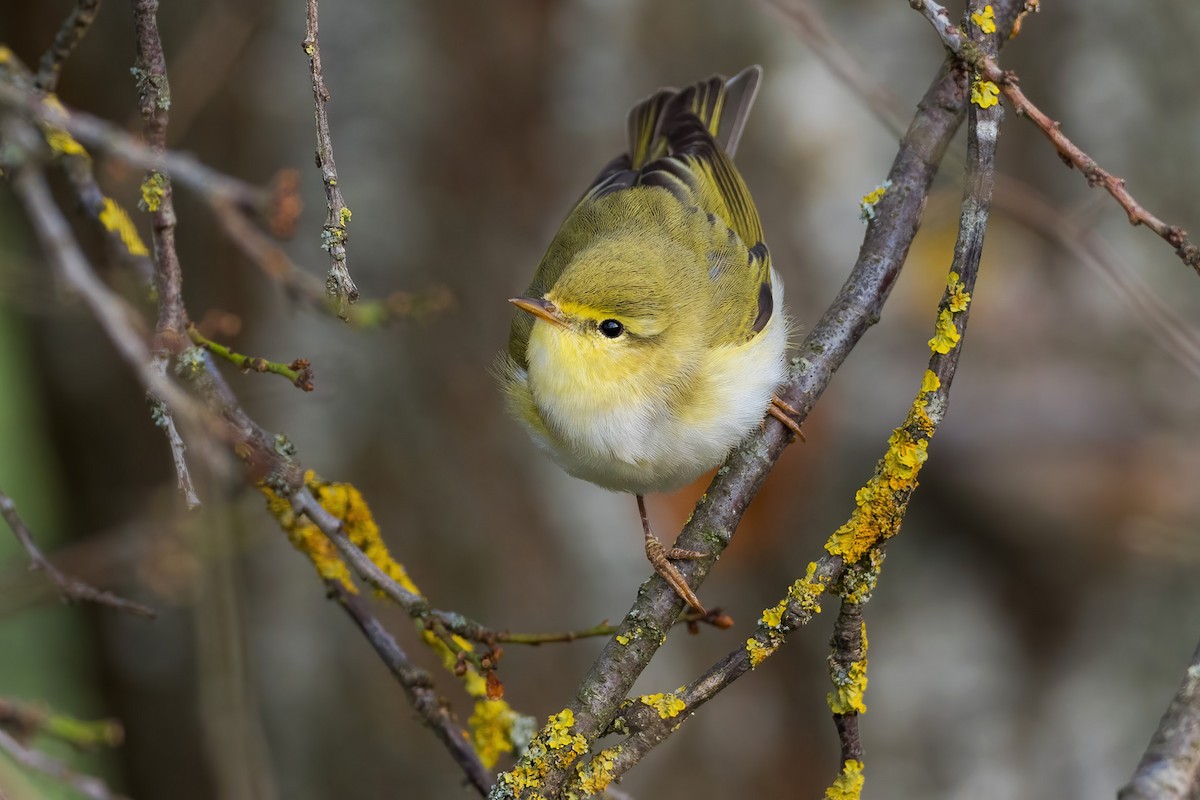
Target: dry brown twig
(70,589)
(73,29)
(952,36)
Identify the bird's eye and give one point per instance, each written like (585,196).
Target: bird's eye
(611,328)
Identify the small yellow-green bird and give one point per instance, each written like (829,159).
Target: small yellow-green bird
(652,338)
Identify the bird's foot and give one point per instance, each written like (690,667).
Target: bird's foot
(786,414)
(660,559)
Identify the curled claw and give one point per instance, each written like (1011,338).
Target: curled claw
(786,415)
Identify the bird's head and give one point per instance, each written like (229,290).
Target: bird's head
(618,313)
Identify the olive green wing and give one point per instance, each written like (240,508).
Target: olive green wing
(682,141)
(699,129)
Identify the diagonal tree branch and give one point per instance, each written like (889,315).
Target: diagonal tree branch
(1170,767)
(417,685)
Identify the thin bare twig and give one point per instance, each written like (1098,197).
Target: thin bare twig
(164,419)
(338,283)
(806,22)
(88,786)
(958,44)
(73,29)
(70,589)
(417,685)
(1170,767)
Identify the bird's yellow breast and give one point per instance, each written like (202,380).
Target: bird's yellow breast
(643,419)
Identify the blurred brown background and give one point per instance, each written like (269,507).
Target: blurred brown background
(1033,618)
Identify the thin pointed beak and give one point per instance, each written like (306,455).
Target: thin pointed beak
(540,308)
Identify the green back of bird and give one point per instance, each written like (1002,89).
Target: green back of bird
(677,178)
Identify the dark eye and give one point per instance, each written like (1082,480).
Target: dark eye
(611,328)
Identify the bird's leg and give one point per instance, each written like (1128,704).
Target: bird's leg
(659,556)
(785,414)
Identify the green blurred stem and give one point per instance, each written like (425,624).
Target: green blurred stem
(25,720)
(298,372)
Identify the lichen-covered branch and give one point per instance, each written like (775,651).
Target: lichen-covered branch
(1170,767)
(338,283)
(1005,81)
(69,588)
(848,673)
(73,29)
(154,101)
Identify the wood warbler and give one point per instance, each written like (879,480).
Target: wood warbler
(652,338)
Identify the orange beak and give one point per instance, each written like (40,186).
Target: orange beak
(540,308)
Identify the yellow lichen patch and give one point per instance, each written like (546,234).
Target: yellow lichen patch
(492,721)
(871,199)
(559,734)
(880,504)
(59,140)
(667,705)
(491,729)
(773,616)
(114,219)
(759,651)
(985,94)
(555,746)
(344,216)
(849,783)
(958,297)
(597,773)
(945,335)
(930,382)
(308,538)
(858,581)
(849,690)
(154,189)
(6,55)
(985,20)
(804,597)
(806,592)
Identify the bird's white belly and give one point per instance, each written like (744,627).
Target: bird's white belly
(642,445)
